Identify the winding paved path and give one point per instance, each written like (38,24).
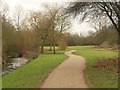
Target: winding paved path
(69,74)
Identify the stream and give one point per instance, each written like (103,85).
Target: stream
(13,65)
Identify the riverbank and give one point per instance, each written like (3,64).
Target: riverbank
(32,74)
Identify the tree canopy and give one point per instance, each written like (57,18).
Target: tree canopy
(94,10)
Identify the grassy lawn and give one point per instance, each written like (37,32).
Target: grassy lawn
(97,78)
(32,74)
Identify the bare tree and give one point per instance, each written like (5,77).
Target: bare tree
(94,9)
(4,8)
(18,17)
(49,24)
(42,24)
(60,23)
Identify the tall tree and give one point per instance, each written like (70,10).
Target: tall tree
(94,9)
(42,25)
(60,23)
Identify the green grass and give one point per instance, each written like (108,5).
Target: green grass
(97,78)
(32,74)
(0,83)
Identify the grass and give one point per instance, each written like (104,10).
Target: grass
(32,74)
(0,83)
(97,78)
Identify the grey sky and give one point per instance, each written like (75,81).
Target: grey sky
(37,5)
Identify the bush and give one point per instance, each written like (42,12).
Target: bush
(62,44)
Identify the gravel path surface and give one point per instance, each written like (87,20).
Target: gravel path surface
(69,74)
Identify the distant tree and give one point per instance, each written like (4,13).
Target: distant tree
(18,17)
(104,34)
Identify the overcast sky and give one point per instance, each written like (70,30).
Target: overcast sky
(36,5)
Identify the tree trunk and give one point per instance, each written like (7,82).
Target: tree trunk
(50,48)
(118,31)
(54,48)
(42,46)
(42,49)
